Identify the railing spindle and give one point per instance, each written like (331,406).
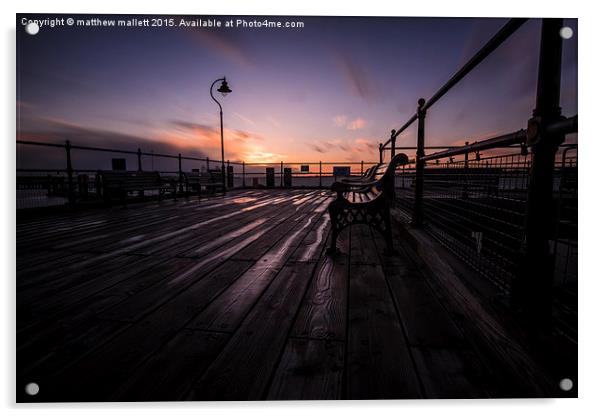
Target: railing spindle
(418,215)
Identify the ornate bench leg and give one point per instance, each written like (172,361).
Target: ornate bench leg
(333,211)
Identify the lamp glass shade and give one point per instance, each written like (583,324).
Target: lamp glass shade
(224,89)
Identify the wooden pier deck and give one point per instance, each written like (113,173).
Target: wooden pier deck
(232,298)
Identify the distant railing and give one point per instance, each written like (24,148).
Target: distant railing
(72,177)
(511,215)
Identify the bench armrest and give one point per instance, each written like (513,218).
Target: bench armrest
(354,180)
(341,187)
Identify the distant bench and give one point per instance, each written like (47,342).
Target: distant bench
(366,200)
(209,182)
(120,183)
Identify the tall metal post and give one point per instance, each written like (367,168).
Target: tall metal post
(418,215)
(230,178)
(244,184)
(221,129)
(180,172)
(362,168)
(71,190)
(281,174)
(207,164)
(380,153)
(393,138)
(532,288)
(320,174)
(224,89)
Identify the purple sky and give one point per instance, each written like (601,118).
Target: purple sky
(329,91)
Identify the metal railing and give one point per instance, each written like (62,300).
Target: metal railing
(511,215)
(74,177)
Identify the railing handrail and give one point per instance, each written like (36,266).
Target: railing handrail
(496,142)
(192,158)
(504,33)
(123,151)
(565,126)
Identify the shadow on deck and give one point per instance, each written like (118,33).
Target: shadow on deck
(233,298)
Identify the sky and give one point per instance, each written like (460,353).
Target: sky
(331,90)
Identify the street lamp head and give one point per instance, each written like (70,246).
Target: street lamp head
(224,89)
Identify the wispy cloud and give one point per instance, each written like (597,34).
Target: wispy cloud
(273,121)
(225,43)
(357,77)
(356,124)
(340,120)
(244,118)
(238,143)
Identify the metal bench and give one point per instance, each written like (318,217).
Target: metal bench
(366,176)
(198,182)
(366,202)
(121,183)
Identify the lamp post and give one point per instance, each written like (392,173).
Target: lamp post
(224,89)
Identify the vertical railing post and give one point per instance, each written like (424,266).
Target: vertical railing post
(320,175)
(532,288)
(244,184)
(281,174)
(71,190)
(393,138)
(139,160)
(180,173)
(207,164)
(465,175)
(229,175)
(362,168)
(418,215)
(380,153)
(403,170)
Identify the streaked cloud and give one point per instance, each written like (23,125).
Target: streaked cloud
(244,118)
(357,77)
(356,124)
(340,120)
(224,43)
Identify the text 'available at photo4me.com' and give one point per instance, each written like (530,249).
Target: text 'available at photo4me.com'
(165,22)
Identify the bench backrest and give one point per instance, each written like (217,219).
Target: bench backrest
(201,177)
(384,175)
(130,178)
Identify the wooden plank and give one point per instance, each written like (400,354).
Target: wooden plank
(60,328)
(254,241)
(43,369)
(451,373)
(167,374)
(52,298)
(516,372)
(255,251)
(243,369)
(424,319)
(226,312)
(379,362)
(323,313)
(95,376)
(309,370)
(362,250)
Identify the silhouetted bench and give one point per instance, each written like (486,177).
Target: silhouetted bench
(366,176)
(367,201)
(210,182)
(120,183)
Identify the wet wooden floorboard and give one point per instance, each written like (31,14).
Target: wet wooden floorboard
(229,298)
